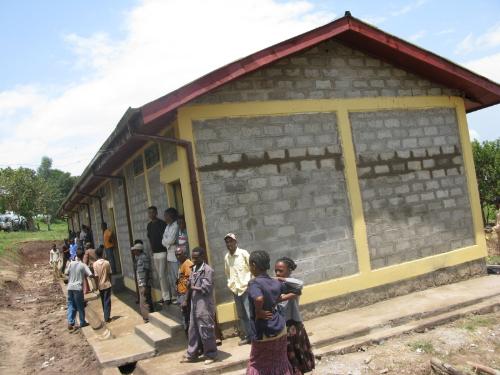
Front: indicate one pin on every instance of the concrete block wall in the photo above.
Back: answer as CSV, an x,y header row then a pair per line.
x,y
121,229
278,182
157,190
415,196
329,70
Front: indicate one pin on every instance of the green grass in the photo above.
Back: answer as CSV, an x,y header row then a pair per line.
x,y
476,321
494,259
422,345
10,241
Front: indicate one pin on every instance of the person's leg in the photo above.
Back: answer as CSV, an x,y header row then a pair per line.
x,y
143,303
172,271
110,257
160,261
206,327
80,305
71,311
107,304
193,338
243,311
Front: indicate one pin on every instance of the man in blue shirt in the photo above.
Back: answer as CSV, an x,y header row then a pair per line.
x,y
72,249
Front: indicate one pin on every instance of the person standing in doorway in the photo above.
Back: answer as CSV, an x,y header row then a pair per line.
x,y
201,332
155,230
102,273
76,272
185,267
238,275
182,236
109,245
169,241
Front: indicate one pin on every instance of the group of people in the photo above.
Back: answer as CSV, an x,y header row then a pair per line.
x,y
267,306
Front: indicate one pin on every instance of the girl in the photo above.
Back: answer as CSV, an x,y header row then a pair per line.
x,y
298,347
268,353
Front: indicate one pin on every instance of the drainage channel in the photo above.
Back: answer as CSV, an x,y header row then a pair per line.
x,y
127,368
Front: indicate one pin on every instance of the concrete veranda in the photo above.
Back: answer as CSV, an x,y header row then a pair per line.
x,y
335,333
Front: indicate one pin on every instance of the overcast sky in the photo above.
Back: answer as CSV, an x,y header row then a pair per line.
x,y
70,69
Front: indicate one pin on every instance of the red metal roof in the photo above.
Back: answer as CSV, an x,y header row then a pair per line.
x,y
480,92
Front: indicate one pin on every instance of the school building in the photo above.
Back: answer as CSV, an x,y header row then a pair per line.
x,y
345,148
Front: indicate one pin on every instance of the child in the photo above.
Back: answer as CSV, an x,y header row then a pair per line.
x,y
102,272
54,258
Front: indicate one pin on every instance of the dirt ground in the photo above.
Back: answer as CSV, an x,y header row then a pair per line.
x,y
33,331
475,339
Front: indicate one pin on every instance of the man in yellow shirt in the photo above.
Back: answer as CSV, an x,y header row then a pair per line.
x,y
236,267
109,245
185,269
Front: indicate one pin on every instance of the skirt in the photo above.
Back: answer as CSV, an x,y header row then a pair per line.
x,y
299,350
269,357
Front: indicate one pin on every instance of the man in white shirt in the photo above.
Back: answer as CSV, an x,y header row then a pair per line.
x,y
236,267
169,241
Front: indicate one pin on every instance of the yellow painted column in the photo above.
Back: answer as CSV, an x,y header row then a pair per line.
x,y
470,173
355,200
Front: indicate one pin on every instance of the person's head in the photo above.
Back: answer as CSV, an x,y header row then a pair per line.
x,y
79,253
198,255
138,241
180,254
99,252
170,215
259,262
231,242
88,245
284,267
84,228
137,249
65,247
104,226
182,222
54,246
152,213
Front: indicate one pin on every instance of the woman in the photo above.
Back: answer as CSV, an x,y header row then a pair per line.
x,y
299,349
268,354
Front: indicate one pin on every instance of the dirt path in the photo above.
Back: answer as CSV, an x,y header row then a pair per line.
x,y
34,337
475,339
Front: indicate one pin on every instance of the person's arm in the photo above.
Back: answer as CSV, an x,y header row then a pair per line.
x,y
88,273
260,313
206,283
226,267
66,272
170,235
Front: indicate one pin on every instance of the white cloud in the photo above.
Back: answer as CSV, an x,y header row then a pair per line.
x,y
486,66
474,135
167,44
408,8
418,35
471,43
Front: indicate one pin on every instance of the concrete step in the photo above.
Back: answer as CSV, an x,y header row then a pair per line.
x,y
153,335
167,324
122,350
353,344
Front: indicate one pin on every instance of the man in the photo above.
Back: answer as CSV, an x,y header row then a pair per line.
x,y
65,258
109,245
185,266
102,273
143,272
201,332
54,258
169,241
89,257
72,249
83,236
236,266
155,230
76,272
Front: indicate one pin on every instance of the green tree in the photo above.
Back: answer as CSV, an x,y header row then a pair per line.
x,y
487,162
21,191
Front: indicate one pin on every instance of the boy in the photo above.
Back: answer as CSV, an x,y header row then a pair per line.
x,y
102,273
54,258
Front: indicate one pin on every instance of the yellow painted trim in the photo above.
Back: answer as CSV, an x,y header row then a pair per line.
x,y
470,174
366,278
354,192
381,276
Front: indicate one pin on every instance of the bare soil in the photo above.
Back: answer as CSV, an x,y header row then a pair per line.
x,y
33,328
475,339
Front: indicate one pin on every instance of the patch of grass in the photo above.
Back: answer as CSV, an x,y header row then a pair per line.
x,y
494,259
10,241
476,321
421,346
